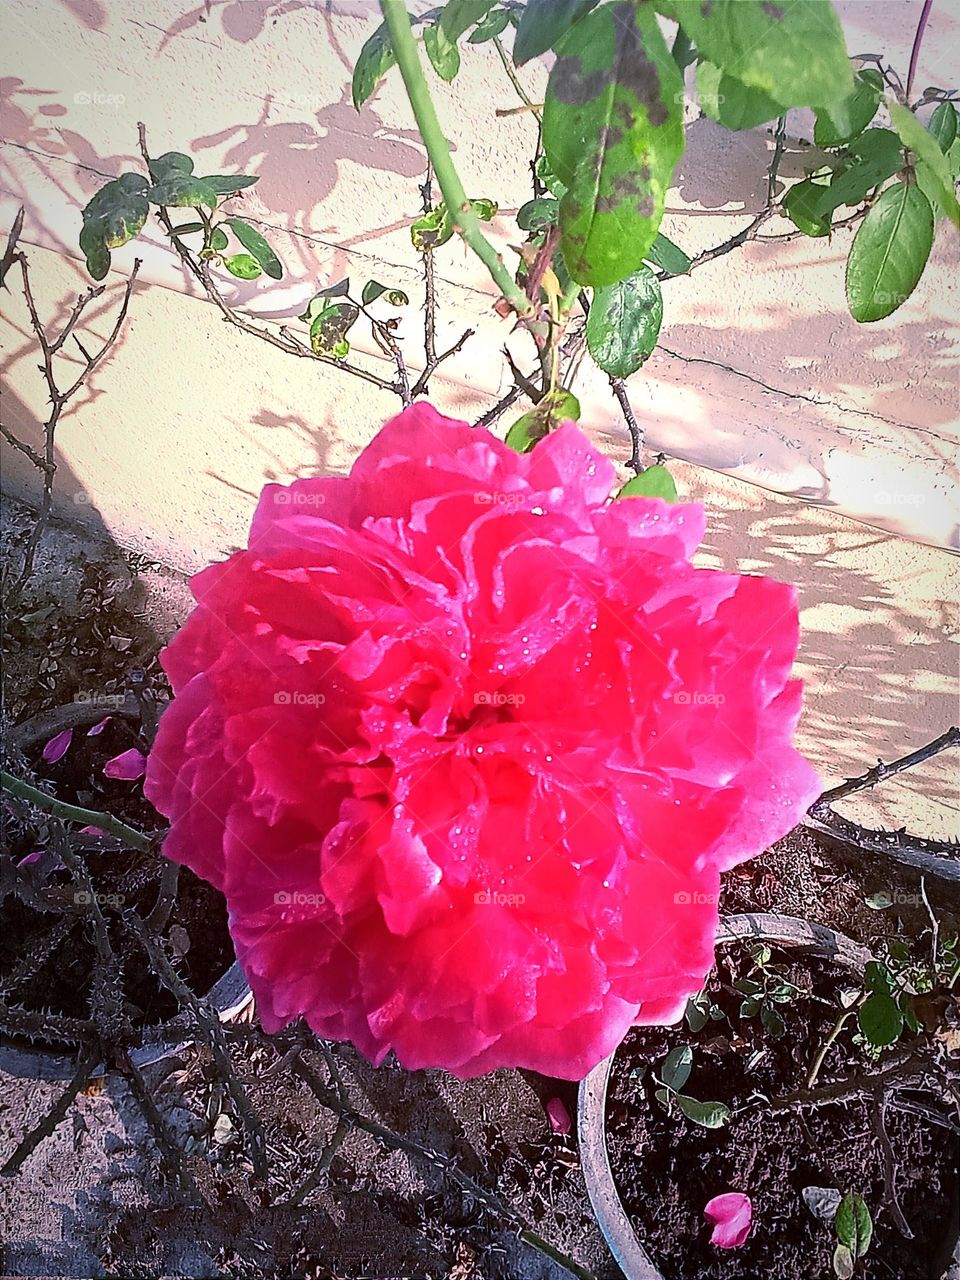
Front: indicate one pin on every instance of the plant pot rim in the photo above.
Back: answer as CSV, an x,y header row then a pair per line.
x,y
230,996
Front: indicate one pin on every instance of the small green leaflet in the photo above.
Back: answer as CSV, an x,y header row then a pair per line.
x,y
255,244
943,125
243,266
710,1115
871,159
538,214
663,253
555,407
858,110
854,1225
436,227
442,51
676,1067
375,60
373,289
494,24
881,1020
889,252
654,482
460,14
624,323
801,204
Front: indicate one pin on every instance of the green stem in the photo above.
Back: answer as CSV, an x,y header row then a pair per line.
x,y
461,211
72,813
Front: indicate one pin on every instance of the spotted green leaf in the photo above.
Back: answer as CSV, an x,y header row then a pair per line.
x,y
624,322
442,51
243,265
494,24
375,60
329,327
612,133
792,50
179,190
554,408
115,215
373,289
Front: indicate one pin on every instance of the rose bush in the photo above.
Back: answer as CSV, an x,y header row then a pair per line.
x,y
466,745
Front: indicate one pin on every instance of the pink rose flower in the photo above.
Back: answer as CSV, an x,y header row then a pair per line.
x,y
732,1215
466,746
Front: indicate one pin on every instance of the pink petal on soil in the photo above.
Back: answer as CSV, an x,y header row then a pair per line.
x,y
99,728
129,765
56,748
92,831
31,857
732,1215
559,1116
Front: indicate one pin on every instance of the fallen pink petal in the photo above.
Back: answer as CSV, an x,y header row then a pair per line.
x,y
128,766
57,747
31,858
92,831
99,728
732,1216
559,1117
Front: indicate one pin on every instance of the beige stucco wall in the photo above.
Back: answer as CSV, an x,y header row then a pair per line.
x,y
761,372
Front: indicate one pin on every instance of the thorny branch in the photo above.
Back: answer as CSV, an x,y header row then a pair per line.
x,y
59,397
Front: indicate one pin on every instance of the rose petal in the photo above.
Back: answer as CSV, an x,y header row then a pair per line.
x,y
99,728
128,765
56,748
559,1116
732,1215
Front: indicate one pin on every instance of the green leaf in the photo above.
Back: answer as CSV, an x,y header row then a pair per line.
x,y
772,1021
881,1020
494,24
218,240
749,1008
910,1018
442,51
801,204
549,178
182,190
375,60
730,102
225,186
243,266
854,1225
889,252
676,1067
794,52
697,1012
877,977
543,23
329,328
254,243
169,163
923,144
871,159
112,217
711,1115
624,323
612,133
431,230
555,407
858,110
842,1262
484,208
942,125
538,214
460,14
188,228
373,290
664,254
664,1097
654,482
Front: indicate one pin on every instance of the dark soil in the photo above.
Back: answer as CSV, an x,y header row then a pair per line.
x,y
97,647
667,1168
